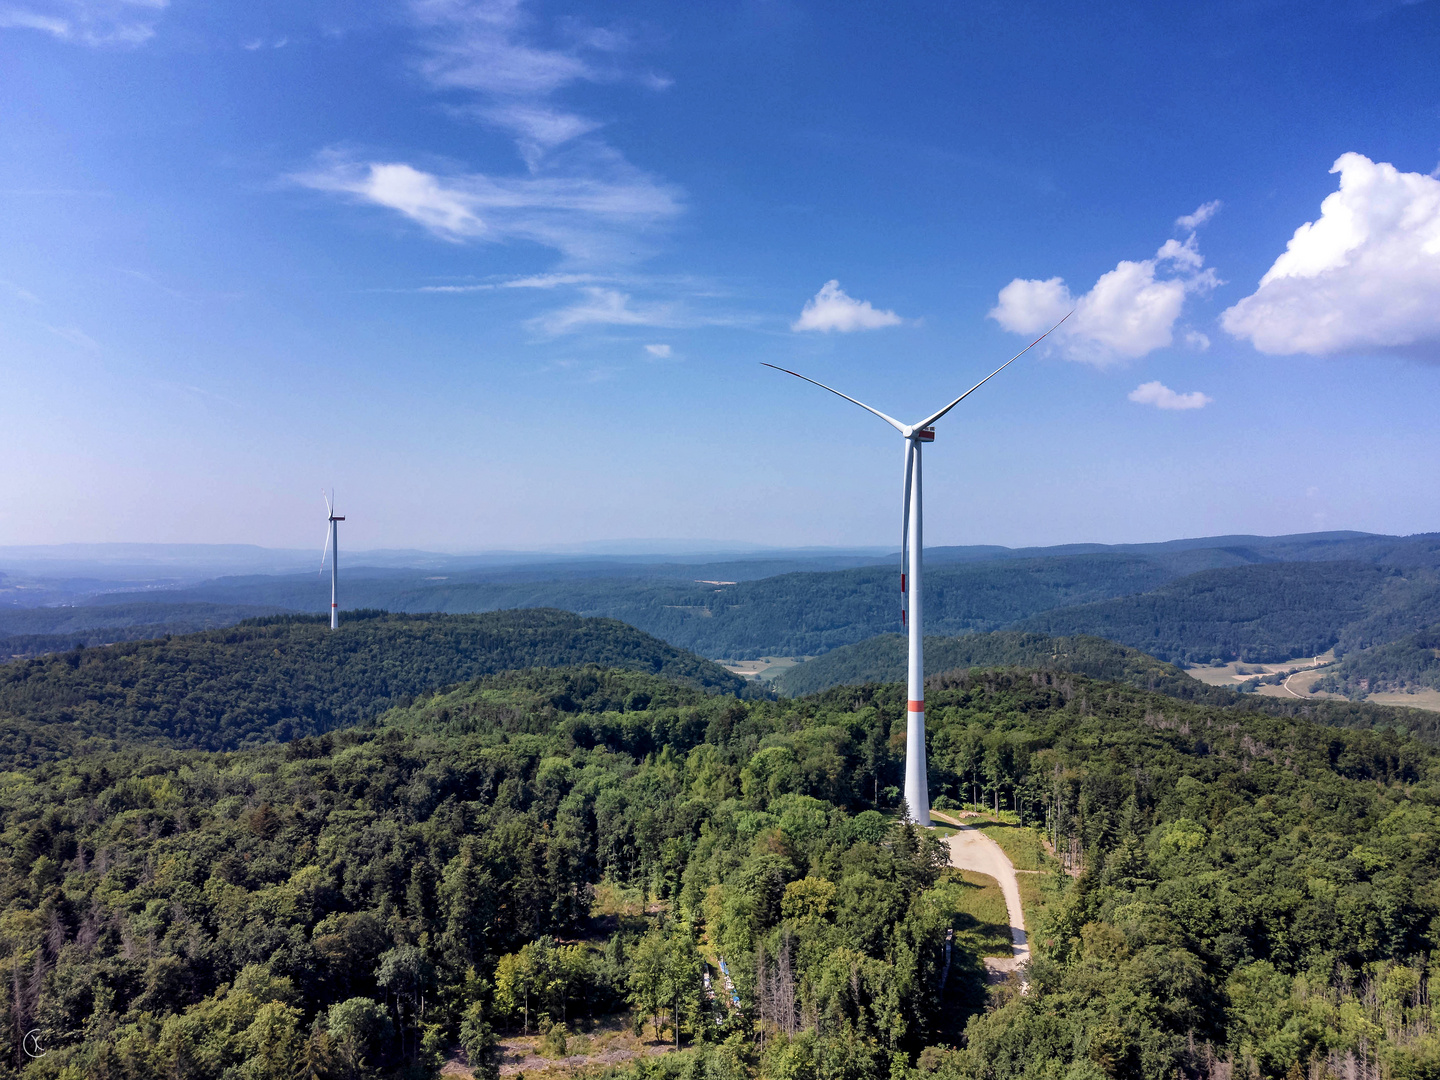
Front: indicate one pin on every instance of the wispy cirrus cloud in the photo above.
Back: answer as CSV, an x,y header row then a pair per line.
x,y
75,336
577,195
600,216
601,305
87,22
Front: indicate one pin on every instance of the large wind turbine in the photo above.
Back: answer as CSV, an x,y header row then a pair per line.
x,y
332,548
917,791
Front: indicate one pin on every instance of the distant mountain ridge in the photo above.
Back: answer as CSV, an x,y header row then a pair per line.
x,y
1248,597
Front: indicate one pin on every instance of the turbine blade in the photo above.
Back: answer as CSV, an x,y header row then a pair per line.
x,y
326,549
896,424
329,503
931,419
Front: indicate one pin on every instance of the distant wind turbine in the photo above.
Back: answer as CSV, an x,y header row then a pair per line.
x,y
917,790
332,548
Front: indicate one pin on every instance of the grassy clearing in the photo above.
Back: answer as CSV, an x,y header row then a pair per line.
x,y
591,1046
1038,874
1022,845
984,926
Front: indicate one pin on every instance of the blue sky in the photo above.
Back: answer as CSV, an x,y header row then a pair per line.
x,y
503,274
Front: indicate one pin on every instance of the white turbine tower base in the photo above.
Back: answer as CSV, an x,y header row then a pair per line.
x,y
917,787
332,548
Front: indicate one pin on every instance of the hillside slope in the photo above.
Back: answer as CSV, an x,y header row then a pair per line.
x,y
787,614
282,677
1258,613
1253,597
882,660
1411,662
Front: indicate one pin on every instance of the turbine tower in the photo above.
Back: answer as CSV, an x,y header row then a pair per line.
x,y
917,790
332,548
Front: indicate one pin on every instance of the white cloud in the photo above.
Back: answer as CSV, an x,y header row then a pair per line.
x,y
530,281
1203,213
1363,277
659,352
87,22
1129,312
1197,341
578,194
1162,397
586,218
604,307
831,309
478,46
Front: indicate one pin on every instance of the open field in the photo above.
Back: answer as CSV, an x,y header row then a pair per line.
x,y
1238,671
1301,683
1420,699
764,669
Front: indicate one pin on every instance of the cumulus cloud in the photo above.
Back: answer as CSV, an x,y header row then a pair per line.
x,y
831,309
1162,397
1363,277
87,22
1130,311
659,352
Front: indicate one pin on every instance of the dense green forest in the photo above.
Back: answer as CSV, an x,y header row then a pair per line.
x,y
281,677
1410,663
1255,893
38,630
795,614
1258,613
882,659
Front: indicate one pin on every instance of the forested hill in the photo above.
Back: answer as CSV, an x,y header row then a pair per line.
x,y
1258,895
1248,597
1261,613
1408,663
882,659
796,614
33,631
277,678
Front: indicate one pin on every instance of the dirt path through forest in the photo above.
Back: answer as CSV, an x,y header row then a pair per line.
x,y
971,849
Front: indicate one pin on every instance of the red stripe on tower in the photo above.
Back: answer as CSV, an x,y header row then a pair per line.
x,y
917,706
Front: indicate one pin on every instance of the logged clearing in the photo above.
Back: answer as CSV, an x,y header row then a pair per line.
x,y
764,669
592,1048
